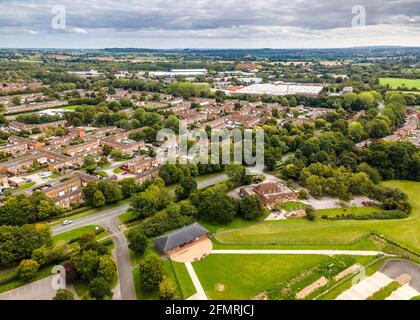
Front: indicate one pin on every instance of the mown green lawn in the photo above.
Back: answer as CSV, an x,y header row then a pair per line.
x,y
346,211
73,234
400,82
245,276
324,232
183,278
385,292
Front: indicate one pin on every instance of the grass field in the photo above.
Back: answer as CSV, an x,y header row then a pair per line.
x,y
183,278
73,234
385,292
27,185
353,211
245,276
324,232
400,82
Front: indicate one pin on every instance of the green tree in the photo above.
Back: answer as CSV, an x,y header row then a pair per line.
x,y
251,208
187,185
27,269
98,199
216,208
63,294
128,187
151,272
100,289
137,240
87,264
107,268
167,289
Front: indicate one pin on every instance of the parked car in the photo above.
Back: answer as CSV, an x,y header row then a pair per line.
x,y
28,180
67,222
124,173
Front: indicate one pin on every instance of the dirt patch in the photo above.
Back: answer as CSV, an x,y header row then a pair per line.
x,y
403,279
260,296
220,287
311,288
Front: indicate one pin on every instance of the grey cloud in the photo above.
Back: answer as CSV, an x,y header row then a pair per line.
x,y
104,20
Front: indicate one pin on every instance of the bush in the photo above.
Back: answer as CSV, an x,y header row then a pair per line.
x,y
310,213
166,289
100,289
382,215
27,269
63,294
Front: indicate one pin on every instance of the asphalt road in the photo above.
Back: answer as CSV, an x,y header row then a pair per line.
x,y
108,218
102,218
125,276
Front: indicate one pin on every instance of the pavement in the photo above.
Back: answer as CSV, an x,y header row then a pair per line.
x,y
193,252
200,293
332,203
37,290
394,268
122,255
365,288
303,252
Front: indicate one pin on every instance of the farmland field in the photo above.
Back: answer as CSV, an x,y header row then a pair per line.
x,y
400,82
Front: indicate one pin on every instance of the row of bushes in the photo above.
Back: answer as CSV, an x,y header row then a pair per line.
x,y
382,215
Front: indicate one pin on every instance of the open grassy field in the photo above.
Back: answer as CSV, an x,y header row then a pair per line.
x,y
324,232
400,82
73,234
183,278
246,276
353,211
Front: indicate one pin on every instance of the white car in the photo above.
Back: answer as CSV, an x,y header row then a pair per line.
x,y
67,222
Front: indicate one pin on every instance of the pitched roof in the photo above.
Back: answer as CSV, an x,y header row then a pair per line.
x,y
180,236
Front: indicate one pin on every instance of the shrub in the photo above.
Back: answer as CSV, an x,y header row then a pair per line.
x,y
166,289
27,269
63,294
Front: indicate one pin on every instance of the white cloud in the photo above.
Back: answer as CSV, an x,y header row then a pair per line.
x,y
79,30
210,23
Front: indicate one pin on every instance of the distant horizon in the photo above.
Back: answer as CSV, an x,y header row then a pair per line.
x,y
211,48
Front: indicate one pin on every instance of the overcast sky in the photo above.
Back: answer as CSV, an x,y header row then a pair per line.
x,y
209,23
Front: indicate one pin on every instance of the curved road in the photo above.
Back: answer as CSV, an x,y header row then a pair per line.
x,y
105,217
108,218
